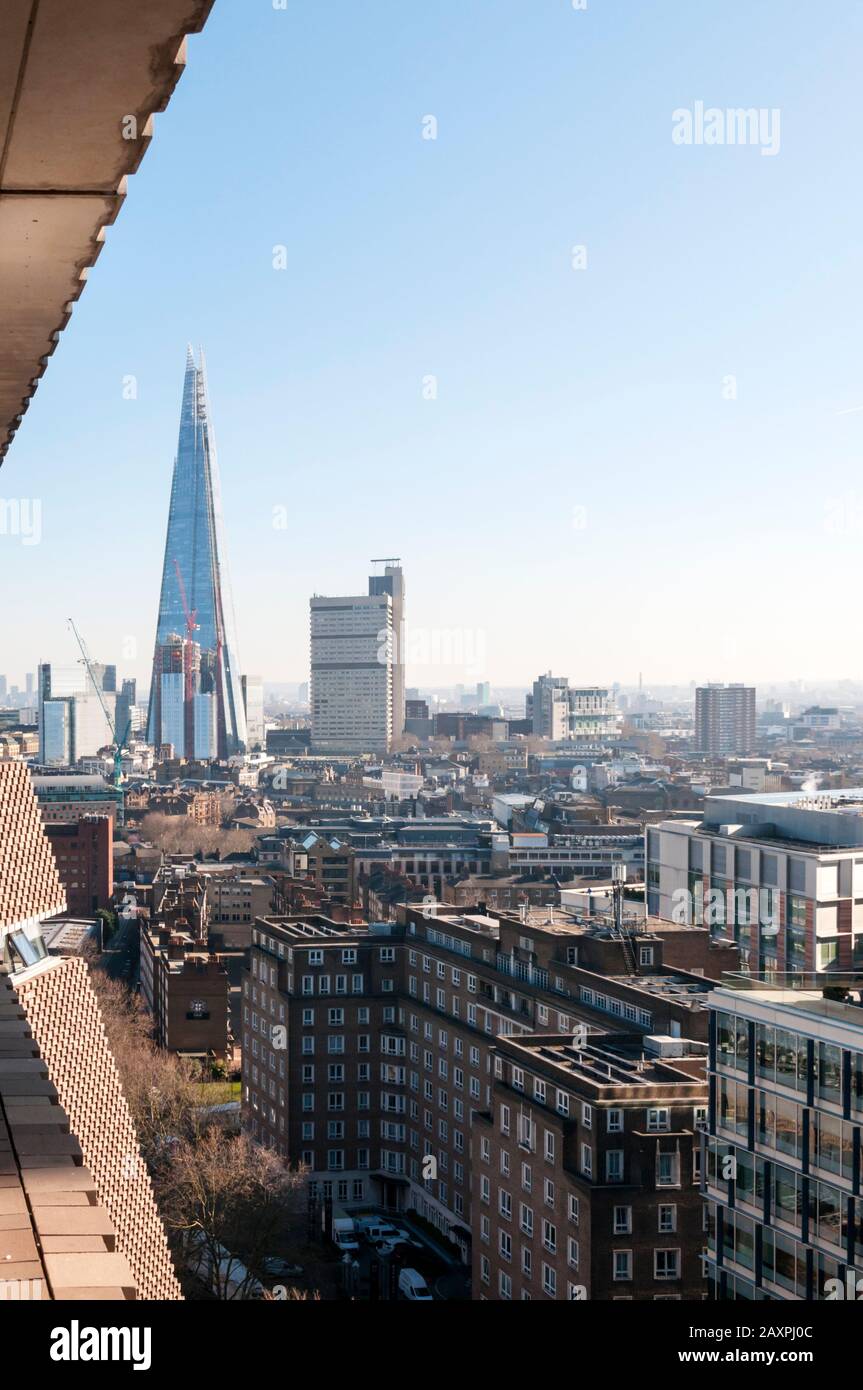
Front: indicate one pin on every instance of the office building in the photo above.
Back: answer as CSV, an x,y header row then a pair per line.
x,y
126,720
560,712
204,711
253,704
352,674
548,706
392,582
195,635
72,719
780,872
782,1163
725,719
69,796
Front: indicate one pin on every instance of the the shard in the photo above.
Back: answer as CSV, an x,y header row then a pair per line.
x,y
196,704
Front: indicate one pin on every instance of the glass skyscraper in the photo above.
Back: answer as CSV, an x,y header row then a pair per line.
x,y
196,629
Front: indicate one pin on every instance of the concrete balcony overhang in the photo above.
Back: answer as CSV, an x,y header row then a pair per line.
x,y
80,81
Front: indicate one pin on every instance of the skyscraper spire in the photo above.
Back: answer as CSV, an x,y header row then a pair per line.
x,y
195,697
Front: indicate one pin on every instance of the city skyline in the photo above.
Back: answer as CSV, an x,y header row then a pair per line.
x,y
545,390
480,917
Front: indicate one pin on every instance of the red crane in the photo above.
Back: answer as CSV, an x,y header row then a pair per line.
x,y
191,627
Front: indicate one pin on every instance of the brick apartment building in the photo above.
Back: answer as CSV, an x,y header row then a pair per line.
x,y
367,1050
186,990
201,807
83,851
586,1170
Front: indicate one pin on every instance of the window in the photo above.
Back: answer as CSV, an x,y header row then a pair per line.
x,y
667,1218
549,1237
586,1160
645,955
549,1280
622,1221
586,1116
526,1219
614,1121
659,1117
614,1165
668,1169
666,1264
622,1264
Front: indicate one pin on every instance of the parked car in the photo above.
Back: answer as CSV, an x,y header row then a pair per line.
x,y
414,1287
221,1271
278,1268
404,1236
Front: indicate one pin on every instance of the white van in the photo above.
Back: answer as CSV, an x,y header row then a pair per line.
x,y
376,1228
414,1287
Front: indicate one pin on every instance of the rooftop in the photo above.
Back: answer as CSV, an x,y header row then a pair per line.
x,y
616,1061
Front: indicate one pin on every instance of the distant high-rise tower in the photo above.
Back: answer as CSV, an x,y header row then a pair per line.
x,y
196,608
352,673
392,582
725,719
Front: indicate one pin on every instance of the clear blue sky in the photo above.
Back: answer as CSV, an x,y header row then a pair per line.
x,y
720,539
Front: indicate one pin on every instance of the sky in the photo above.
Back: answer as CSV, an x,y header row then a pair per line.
x,y
642,455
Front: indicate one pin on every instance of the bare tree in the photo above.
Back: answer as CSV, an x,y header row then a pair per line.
x,y
227,1199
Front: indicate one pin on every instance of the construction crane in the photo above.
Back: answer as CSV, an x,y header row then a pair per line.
x,y
118,743
188,684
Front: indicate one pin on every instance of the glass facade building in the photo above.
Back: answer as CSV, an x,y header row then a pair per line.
x,y
196,605
782,1170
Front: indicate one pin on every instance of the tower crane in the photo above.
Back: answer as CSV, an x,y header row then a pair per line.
x,y
118,741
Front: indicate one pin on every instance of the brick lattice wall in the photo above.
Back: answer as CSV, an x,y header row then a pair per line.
x,y
64,1017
